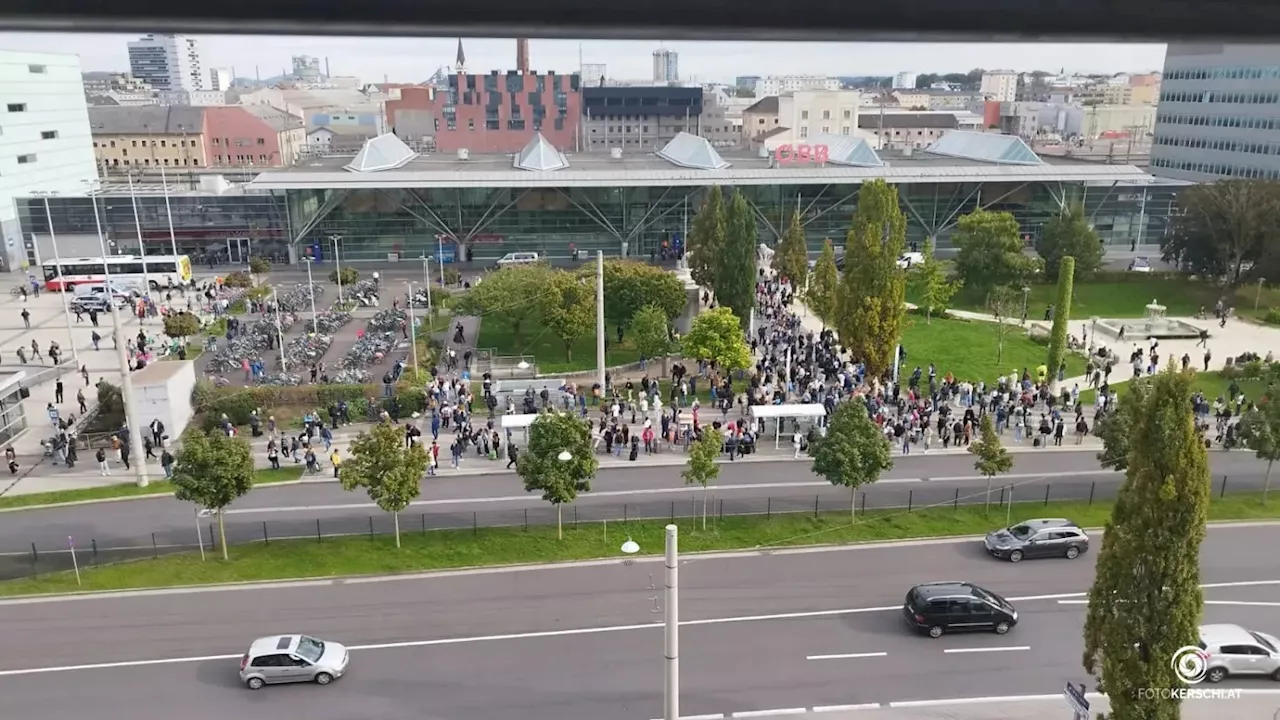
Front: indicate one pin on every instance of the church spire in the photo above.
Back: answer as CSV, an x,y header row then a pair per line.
x,y
461,62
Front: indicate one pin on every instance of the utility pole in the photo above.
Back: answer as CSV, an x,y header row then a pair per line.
x,y
600,321
671,629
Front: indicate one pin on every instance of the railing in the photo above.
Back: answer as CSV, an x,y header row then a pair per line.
x,y
39,559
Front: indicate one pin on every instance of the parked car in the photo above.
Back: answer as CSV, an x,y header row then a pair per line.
x,y
517,258
941,607
1048,537
1234,650
1140,265
292,658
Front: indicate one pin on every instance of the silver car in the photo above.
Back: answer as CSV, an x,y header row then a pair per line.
x,y
1234,650
292,658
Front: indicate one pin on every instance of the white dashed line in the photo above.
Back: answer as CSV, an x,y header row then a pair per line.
x,y
847,656
1011,648
770,713
846,708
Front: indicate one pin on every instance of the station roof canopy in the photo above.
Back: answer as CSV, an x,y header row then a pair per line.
x,y
985,147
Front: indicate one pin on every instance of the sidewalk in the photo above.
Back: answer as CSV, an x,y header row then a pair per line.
x,y
1251,705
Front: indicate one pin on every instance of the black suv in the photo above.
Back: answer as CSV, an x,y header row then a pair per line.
x,y
1053,537
935,608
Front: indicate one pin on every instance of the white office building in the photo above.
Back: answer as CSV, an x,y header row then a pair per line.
x,y
45,140
219,79
593,74
666,67
781,84
905,80
1000,85
168,62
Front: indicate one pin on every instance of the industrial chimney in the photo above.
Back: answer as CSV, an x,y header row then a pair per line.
x,y
522,55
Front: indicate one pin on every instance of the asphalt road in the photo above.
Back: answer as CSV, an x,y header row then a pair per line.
x,y
582,643
653,492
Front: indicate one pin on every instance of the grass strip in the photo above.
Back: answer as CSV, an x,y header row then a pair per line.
x,y
445,549
106,492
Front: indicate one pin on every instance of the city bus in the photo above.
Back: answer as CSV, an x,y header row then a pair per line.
x,y
126,271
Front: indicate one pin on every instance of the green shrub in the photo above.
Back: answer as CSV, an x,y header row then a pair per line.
x,y
349,276
260,292
452,276
238,403
1124,276
1272,317
181,325
259,265
238,279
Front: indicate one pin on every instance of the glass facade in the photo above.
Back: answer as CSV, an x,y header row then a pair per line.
x,y
486,223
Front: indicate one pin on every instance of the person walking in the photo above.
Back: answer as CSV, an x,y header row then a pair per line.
x,y
101,456
58,392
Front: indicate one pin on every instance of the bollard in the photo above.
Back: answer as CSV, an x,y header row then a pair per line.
x,y
768,509
624,512
956,504
1224,487
1092,486
911,498
155,549
93,543
575,517
213,543
475,525
371,526
1046,493
673,511
864,504
265,539
815,507
526,519
1002,495
423,519
721,508
35,556
318,536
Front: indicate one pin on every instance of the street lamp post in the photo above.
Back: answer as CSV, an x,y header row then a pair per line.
x,y
311,288
53,240
426,282
600,373
275,296
142,247
168,213
1026,293
117,330
413,330
337,264
671,619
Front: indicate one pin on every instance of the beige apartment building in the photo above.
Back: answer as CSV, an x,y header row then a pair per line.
x,y
758,119
819,112
166,136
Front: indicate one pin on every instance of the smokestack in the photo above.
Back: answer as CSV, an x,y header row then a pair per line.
x,y
522,55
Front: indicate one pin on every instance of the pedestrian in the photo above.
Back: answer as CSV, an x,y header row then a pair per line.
x,y
57,391
26,318
101,456
84,373
80,399
96,338
166,464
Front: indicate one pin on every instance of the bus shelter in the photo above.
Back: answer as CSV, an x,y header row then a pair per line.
x,y
512,424
802,416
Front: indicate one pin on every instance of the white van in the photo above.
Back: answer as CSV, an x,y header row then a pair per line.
x,y
517,258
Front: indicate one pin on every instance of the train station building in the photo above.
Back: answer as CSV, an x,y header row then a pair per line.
x,y
389,203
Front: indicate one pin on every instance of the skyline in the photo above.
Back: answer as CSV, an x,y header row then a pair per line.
x,y
416,59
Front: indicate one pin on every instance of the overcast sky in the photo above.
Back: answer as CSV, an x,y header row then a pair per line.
x,y
415,59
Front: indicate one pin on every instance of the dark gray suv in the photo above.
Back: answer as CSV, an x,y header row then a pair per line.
x,y
1051,537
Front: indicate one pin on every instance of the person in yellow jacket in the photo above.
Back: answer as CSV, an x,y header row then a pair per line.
x,y
335,458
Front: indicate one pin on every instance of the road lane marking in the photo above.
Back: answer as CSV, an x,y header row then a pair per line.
x,y
1205,586
982,700
1245,603
111,665
769,713
708,716
846,656
1010,648
846,708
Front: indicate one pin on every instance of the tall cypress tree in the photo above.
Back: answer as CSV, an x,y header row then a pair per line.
x,y
706,239
735,273
791,258
869,307
1146,602
1061,316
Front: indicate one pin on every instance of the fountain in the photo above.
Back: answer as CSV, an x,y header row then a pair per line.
x,y
1155,324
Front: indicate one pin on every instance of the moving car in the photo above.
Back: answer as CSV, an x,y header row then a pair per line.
x,y
908,260
517,258
941,607
1234,650
1140,265
1048,537
292,658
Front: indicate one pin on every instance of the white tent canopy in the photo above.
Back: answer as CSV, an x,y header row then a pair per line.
x,y
813,412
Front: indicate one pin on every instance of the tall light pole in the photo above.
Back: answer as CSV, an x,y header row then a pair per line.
x,y
142,247
426,282
168,211
311,288
275,296
53,240
117,330
600,321
671,629
413,331
337,264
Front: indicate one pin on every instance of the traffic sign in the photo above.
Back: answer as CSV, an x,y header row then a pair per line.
x,y
1076,699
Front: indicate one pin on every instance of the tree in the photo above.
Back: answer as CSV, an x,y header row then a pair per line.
x,y
1260,429
706,239
1003,304
511,297
869,303
993,458
716,336
181,325
1146,600
1222,227
259,265
238,279
824,284
1114,427
791,258
543,470
569,307
1069,234
990,252
932,286
853,453
735,283
702,468
349,276
212,470
390,472
1061,316
630,285
650,333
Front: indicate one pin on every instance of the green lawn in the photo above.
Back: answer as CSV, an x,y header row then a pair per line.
x,y
1212,384
1129,298
967,349
261,477
501,546
549,352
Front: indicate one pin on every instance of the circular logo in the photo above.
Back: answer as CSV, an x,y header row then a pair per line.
x,y
1190,664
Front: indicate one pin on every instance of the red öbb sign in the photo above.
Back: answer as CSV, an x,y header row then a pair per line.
x,y
793,154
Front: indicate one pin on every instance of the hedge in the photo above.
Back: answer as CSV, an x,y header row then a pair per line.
x,y
238,403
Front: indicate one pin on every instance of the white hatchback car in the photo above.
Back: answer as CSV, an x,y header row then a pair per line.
x,y
292,658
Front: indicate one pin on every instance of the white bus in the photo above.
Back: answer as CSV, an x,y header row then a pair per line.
x,y
126,271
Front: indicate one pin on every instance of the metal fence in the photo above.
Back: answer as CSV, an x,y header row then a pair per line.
x,y
43,558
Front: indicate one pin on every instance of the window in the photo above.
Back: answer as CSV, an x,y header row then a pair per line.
x,y
848,114
135,143
37,69
826,129
53,135
26,159
113,143
471,125
844,129
826,114
216,141
262,141
804,114
804,131
17,107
